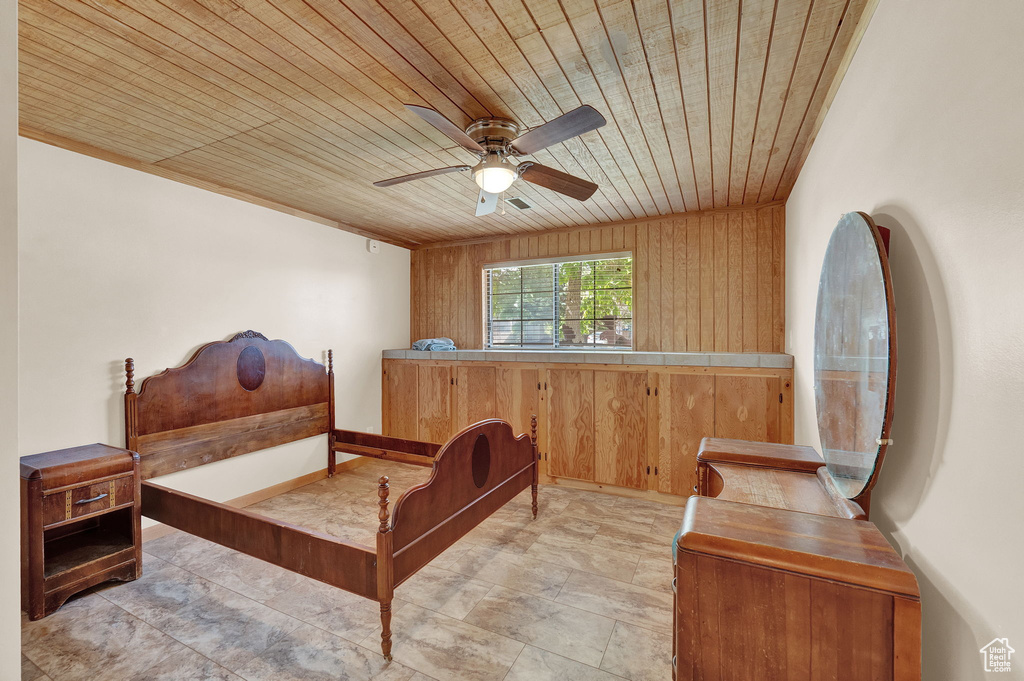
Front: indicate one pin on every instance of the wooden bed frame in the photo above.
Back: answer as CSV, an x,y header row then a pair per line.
x,y
249,393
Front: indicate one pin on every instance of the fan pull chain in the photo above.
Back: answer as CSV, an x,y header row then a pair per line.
x,y
503,203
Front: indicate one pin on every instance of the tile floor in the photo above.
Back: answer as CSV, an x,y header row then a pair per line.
x,y
581,593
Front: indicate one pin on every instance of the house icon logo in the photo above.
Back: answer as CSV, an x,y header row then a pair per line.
x,y
997,655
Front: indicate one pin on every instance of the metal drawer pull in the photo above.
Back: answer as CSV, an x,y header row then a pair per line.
x,y
89,501
674,584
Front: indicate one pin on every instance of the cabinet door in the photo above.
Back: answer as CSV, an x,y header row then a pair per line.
x,y
571,423
686,413
747,407
620,428
517,397
400,415
434,390
474,389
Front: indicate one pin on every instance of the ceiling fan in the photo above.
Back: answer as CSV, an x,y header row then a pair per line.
x,y
497,143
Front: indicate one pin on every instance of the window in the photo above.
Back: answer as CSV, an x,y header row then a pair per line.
x,y
563,304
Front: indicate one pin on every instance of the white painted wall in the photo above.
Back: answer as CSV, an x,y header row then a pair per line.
x,y
117,263
926,136
10,530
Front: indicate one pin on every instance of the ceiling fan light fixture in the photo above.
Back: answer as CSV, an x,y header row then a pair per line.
x,y
494,175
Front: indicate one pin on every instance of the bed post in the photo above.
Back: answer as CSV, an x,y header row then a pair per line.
x,y
536,462
131,426
331,457
385,569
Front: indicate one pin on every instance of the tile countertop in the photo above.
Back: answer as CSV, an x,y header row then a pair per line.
x,y
773,360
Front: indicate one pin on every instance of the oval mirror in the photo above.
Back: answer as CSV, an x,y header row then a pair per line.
x,y
854,354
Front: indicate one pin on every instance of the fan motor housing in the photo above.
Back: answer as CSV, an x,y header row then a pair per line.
x,y
494,134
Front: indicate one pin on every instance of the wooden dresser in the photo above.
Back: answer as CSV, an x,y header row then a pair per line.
x,y
779,574
777,595
80,523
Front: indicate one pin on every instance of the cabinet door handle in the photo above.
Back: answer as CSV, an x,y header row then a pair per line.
x,y
89,501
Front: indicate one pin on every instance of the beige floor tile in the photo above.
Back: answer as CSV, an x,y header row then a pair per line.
x,y
629,540
596,512
342,613
186,664
599,561
654,573
246,575
90,638
494,534
29,671
666,525
449,593
618,600
311,654
639,654
649,506
447,648
451,554
534,664
567,528
513,570
227,628
162,589
183,549
561,629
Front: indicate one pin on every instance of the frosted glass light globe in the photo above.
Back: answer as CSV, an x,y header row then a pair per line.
x,y
494,175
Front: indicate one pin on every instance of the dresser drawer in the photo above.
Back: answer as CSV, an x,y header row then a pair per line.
x,y
87,499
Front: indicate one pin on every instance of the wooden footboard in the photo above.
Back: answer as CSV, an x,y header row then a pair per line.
x,y
475,473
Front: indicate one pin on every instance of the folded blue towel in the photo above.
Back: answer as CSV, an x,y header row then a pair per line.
x,y
435,344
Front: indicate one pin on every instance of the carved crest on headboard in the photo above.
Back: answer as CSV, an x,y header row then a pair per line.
x,y
248,334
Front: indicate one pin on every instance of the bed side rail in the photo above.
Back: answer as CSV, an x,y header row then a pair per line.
x,y
324,558
383,447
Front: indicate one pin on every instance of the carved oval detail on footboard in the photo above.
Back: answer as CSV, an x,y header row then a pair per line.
x,y
481,460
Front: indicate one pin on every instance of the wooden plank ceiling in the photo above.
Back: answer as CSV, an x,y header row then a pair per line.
x,y
299,102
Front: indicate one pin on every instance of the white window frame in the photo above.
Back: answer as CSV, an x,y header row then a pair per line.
x,y
555,347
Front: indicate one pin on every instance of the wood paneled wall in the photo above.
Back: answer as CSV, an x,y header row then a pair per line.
x,y
703,282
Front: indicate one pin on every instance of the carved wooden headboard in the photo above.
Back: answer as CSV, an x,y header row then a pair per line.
x,y
232,397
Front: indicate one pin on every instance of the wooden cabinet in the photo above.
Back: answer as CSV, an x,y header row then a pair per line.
x,y
400,412
686,413
620,428
570,423
475,394
620,425
517,396
747,407
434,390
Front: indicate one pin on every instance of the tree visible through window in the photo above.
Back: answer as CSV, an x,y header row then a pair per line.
x,y
581,304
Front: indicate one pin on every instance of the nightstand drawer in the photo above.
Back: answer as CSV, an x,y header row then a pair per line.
x,y
84,500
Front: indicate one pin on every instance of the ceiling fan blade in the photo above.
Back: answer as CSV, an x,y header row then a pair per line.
x,y
420,176
557,181
486,204
453,131
576,122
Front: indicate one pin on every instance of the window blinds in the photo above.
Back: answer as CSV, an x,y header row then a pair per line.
x,y
569,304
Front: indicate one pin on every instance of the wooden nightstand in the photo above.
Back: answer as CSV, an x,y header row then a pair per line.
x,y
80,523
